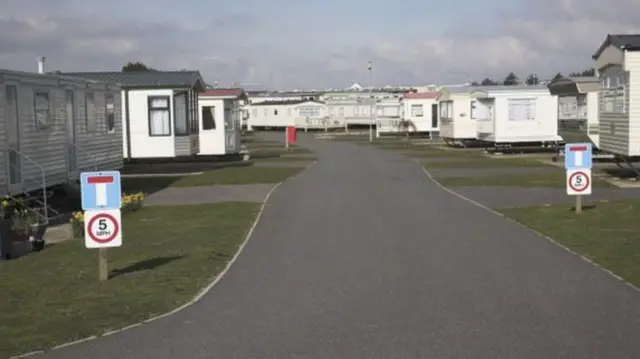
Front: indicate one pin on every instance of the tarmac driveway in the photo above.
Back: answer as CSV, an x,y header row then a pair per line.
x,y
362,257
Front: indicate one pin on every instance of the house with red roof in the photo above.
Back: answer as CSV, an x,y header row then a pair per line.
x,y
221,113
421,110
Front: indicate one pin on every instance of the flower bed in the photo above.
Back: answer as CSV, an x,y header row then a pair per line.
x,y
19,224
130,203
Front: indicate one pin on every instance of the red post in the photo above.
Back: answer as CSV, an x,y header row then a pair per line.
x,y
291,135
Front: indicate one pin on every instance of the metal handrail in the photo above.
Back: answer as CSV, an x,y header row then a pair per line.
x,y
43,176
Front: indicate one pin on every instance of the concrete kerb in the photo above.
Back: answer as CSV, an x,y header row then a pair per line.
x,y
478,204
198,296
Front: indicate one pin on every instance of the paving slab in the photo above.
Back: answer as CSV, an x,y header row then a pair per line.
x,y
501,197
361,256
208,194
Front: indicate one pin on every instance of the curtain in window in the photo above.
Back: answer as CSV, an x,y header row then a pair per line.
x,y
180,114
159,122
522,109
208,118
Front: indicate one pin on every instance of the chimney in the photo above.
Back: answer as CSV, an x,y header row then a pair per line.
x,y
41,65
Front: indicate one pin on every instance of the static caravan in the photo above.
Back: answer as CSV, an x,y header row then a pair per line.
x,y
354,108
269,96
516,115
421,111
160,112
577,108
457,115
280,114
55,127
387,117
618,68
220,121
312,115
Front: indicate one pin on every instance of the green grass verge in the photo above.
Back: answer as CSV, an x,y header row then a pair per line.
x,y
169,254
606,234
485,162
221,176
544,179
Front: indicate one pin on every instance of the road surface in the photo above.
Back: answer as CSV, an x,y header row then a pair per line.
x,y
361,256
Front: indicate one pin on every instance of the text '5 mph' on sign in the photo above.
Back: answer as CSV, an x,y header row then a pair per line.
x,y
100,190
577,156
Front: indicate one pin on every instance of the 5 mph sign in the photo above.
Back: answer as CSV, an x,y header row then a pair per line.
x,y
579,182
103,228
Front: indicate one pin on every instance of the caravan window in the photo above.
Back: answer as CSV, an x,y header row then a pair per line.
x,y
472,111
110,114
90,109
208,118
522,109
417,111
42,110
159,116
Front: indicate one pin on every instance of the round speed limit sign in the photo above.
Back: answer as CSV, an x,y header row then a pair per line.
x,y
579,182
103,229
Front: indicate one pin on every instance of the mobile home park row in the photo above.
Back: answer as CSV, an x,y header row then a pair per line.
x,y
57,125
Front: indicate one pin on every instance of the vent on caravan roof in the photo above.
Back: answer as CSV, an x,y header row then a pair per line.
x,y
41,65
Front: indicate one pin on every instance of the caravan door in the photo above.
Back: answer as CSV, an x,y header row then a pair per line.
x,y
70,122
12,118
230,136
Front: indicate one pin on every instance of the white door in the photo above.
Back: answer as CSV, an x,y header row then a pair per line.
x,y
71,132
14,164
229,129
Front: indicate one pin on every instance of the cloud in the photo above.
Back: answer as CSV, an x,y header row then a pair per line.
x,y
268,48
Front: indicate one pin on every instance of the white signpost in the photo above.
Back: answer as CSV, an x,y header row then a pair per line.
x,y
101,194
578,163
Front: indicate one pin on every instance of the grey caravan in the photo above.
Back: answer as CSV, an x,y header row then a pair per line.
x,y
54,127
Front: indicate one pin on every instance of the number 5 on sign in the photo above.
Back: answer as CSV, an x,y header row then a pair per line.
x,y
103,228
578,182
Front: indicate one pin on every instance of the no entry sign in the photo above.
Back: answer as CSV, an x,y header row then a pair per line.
x,y
103,228
579,182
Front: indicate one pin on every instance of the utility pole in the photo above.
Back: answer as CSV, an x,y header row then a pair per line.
x,y
372,107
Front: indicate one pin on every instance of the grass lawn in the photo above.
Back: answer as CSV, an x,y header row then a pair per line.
x,y
606,234
222,176
485,162
545,179
169,254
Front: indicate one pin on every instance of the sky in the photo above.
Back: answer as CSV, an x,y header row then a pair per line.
x,y
289,44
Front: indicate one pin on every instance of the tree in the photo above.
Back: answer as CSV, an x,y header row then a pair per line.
x,y
136,66
488,82
532,80
585,73
511,79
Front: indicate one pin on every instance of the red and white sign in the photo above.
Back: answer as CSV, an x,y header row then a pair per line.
x,y
578,182
103,228
101,188
578,155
